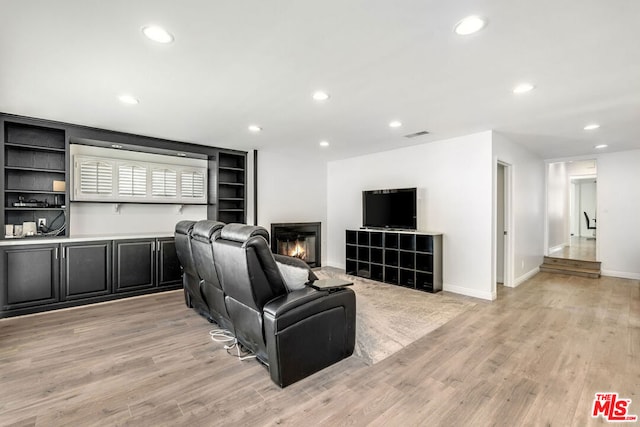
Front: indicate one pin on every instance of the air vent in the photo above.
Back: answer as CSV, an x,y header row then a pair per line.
x,y
414,135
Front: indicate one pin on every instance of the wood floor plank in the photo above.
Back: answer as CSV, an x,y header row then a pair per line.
x,y
536,356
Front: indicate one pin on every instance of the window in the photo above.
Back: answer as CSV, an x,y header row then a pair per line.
x,y
107,179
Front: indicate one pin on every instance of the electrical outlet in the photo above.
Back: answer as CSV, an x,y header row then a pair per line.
x,y
42,222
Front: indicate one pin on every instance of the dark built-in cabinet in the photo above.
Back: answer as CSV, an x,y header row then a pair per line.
x,y
35,184
413,260
133,264
231,187
169,268
86,269
30,276
144,264
40,277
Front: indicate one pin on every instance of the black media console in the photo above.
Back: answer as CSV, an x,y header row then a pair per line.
x,y
410,259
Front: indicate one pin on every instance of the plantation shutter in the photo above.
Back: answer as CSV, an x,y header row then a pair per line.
x,y
132,180
192,184
96,177
164,183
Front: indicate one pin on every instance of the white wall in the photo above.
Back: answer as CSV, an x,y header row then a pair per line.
x,y
619,213
455,190
557,205
527,206
101,218
292,187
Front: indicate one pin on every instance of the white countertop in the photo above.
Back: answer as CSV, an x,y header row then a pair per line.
x,y
80,238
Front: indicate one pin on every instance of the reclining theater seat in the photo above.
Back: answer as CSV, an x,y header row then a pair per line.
x,y
190,278
202,236
295,333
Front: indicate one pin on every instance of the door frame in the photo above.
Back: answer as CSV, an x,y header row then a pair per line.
x,y
508,225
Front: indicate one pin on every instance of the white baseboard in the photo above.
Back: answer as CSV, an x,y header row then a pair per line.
x,y
488,295
339,265
558,247
621,274
526,276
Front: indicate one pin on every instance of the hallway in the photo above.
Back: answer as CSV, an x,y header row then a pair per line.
x,y
580,248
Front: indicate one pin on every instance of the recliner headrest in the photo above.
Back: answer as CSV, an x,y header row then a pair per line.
x,y
184,227
203,230
242,232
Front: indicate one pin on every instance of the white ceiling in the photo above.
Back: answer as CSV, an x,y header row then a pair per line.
x,y
235,63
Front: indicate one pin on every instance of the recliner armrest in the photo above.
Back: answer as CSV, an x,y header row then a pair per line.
x,y
288,302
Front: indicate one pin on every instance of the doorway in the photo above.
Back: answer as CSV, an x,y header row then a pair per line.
x,y
503,251
571,199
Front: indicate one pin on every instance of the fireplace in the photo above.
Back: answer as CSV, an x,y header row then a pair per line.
x,y
300,240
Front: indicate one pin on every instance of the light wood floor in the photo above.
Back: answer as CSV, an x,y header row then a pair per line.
x,y
579,248
536,356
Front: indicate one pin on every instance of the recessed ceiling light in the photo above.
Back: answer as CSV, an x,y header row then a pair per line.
x,y
395,124
469,25
116,146
128,99
523,88
320,96
592,126
599,146
324,143
181,154
157,34
255,128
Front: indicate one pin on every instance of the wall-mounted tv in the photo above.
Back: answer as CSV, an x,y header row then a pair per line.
x,y
389,209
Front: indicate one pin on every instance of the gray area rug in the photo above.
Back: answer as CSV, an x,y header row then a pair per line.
x,y
389,317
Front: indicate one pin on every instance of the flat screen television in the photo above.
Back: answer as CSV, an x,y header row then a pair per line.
x,y
389,208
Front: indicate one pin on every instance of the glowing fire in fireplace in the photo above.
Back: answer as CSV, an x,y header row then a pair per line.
x,y
298,251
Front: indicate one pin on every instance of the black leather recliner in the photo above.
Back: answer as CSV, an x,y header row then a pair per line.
x,y
203,234
295,333
191,280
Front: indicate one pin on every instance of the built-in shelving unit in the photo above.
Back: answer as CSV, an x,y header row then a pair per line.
x,y
409,259
231,187
34,158
39,273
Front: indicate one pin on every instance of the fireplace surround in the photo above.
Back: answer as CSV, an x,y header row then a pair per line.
x,y
298,239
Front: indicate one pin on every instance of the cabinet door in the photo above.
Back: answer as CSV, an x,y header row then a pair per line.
x,y
86,269
29,275
133,264
169,271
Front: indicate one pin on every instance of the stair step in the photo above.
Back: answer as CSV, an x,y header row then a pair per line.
x,y
573,271
572,263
